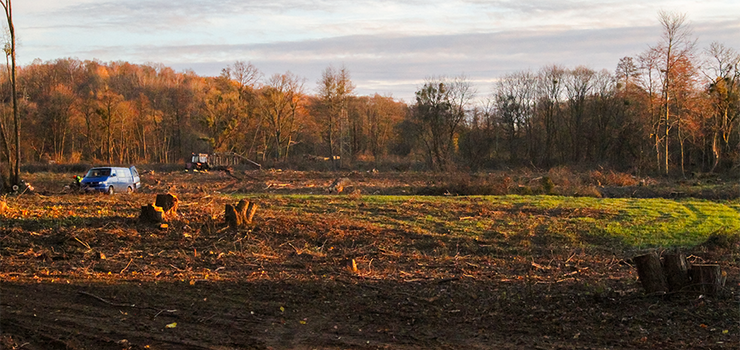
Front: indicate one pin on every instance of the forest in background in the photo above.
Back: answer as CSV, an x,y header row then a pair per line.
x,y
672,109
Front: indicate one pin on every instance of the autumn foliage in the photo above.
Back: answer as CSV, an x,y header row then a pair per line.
x,y
671,109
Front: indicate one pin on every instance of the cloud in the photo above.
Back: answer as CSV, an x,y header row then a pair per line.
x,y
400,64
388,45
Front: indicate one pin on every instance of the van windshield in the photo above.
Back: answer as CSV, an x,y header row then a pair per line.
x,y
99,172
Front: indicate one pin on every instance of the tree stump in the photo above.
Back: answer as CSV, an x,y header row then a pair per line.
x,y
651,273
163,209
707,278
168,202
339,184
676,271
152,214
241,214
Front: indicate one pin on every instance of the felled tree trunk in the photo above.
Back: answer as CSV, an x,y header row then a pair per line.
x,y
707,278
676,271
241,214
651,273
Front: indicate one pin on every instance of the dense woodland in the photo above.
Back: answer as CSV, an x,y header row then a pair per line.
x,y
672,109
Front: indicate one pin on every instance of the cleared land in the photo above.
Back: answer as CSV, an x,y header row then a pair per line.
x,y
81,272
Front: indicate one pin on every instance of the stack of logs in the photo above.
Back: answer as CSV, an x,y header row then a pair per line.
x,y
675,274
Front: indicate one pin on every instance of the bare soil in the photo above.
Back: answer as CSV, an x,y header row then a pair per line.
x,y
81,272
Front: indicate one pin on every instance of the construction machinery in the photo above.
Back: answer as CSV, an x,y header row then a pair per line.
x,y
218,161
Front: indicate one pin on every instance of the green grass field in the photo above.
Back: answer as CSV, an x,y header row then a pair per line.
x,y
533,220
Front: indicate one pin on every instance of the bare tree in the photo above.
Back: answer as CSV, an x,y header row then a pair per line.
x,y
335,87
244,74
10,52
721,69
550,91
440,108
578,86
514,104
676,48
626,73
279,104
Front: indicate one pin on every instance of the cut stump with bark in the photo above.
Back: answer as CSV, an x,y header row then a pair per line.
x,y
650,273
163,209
676,274
168,202
241,214
676,271
707,278
152,214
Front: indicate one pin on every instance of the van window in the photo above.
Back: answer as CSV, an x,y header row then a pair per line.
x,y
99,172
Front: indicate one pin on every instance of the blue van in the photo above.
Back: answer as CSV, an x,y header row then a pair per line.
x,y
111,180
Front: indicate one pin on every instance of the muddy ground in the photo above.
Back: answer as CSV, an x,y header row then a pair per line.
x,y
81,272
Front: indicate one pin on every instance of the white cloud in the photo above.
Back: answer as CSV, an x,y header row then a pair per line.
x,y
389,46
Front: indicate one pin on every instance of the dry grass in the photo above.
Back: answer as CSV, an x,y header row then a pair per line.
x,y
354,270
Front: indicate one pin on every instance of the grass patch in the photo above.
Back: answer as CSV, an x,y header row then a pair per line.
x,y
529,221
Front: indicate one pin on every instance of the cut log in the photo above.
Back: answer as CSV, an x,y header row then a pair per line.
x,y
241,214
676,271
707,278
651,273
152,214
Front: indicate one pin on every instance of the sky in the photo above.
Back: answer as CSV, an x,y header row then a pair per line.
x,y
389,46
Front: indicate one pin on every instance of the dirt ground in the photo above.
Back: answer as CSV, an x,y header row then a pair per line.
x,y
81,272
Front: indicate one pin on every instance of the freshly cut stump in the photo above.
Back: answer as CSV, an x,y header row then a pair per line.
x,y
168,202
707,278
163,209
152,214
241,214
676,271
651,273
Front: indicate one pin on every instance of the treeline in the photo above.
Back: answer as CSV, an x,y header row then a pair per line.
x,y
673,108
117,112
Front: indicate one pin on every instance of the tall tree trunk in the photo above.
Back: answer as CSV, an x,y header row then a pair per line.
x,y
15,176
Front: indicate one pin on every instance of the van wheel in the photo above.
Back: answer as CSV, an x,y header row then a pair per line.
x,y
129,190
110,190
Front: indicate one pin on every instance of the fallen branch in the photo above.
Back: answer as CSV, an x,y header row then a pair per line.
x,y
106,301
127,265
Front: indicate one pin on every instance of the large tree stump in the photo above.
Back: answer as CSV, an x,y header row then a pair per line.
x,y
651,273
241,214
163,209
168,202
676,271
152,214
707,278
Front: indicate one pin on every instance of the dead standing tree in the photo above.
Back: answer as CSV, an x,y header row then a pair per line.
x,y
15,164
